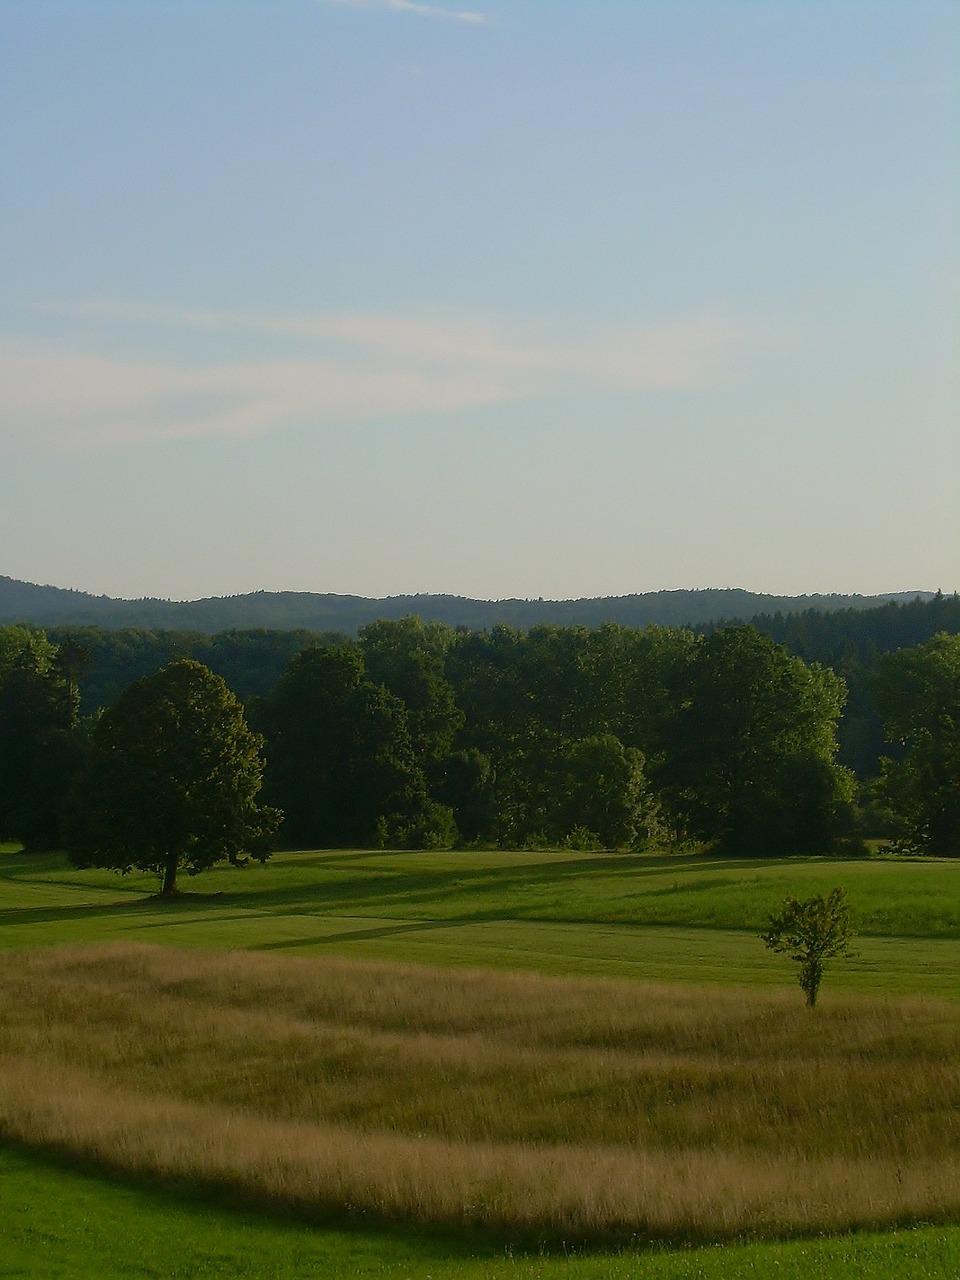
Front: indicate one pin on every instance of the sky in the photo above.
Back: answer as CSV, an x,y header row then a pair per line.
x,y
494,298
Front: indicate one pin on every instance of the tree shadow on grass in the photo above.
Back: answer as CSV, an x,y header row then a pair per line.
x,y
16,864
363,934
703,885
131,906
401,890
405,888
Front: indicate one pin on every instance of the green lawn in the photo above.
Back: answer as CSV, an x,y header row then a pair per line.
x,y
57,1223
665,918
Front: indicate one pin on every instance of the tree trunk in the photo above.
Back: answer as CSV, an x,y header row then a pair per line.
x,y
168,888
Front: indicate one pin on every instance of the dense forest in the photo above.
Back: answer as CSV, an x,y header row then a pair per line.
x,y
417,734
849,641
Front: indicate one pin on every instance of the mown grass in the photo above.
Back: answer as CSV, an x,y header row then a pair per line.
x,y
894,896
532,1110
61,1224
675,918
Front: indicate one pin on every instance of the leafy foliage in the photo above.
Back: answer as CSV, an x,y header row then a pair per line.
x,y
750,761
852,642
558,724
918,692
172,780
40,742
408,657
251,662
419,735
342,762
812,931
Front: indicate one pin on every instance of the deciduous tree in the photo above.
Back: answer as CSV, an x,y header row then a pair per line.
x,y
751,760
342,763
408,657
172,780
812,931
918,693
40,742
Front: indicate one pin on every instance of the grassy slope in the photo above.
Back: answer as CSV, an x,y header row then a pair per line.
x,y
562,913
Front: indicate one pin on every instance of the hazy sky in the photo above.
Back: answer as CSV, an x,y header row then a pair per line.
x,y
560,298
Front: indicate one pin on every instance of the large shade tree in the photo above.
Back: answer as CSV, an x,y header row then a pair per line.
x,y
172,780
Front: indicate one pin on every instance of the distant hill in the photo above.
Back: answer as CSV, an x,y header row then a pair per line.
x,y
303,610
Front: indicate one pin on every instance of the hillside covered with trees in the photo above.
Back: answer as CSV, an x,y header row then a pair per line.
x,y
25,602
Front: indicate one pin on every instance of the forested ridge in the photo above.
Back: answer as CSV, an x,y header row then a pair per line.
x,y
255,636
25,602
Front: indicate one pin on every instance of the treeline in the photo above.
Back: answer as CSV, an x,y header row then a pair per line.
x,y
415,734
107,661
849,641
852,643
420,735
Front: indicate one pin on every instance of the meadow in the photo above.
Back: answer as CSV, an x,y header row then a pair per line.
x,y
482,1051
665,918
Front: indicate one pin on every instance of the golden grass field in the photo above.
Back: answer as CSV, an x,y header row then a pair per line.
x,y
538,1108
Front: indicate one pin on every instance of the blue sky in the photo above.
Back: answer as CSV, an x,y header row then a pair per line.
x,y
537,299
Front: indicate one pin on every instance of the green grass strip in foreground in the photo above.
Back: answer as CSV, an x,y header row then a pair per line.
x,y
58,1224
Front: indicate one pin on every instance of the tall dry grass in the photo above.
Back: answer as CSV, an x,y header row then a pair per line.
x,y
533,1107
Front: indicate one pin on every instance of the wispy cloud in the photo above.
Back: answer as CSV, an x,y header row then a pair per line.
x,y
412,6
340,367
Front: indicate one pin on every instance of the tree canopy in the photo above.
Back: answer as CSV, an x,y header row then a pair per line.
x,y
812,931
611,735
751,759
918,693
40,743
343,764
172,780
